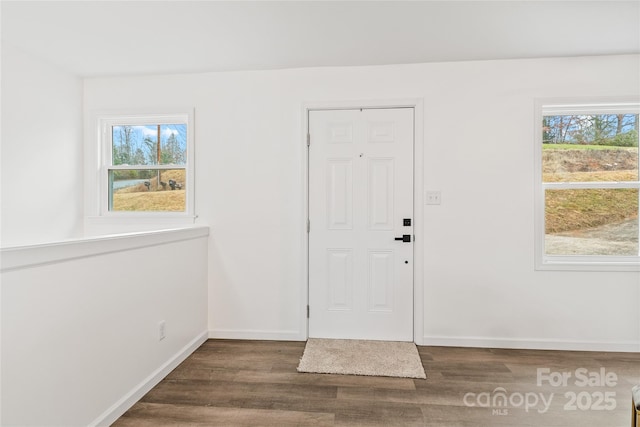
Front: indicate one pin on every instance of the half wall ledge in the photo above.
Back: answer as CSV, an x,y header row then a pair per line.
x,y
20,257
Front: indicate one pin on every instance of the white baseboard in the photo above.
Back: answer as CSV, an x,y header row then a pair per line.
x,y
235,334
485,342
128,400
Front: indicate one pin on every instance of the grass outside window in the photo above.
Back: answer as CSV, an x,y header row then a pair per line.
x,y
590,181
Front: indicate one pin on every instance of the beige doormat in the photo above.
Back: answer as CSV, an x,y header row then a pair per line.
x,y
359,357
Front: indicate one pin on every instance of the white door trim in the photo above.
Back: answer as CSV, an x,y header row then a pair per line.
x,y
418,202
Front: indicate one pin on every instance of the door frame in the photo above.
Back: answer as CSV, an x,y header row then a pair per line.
x,y
418,202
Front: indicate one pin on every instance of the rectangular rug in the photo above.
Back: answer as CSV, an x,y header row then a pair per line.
x,y
361,357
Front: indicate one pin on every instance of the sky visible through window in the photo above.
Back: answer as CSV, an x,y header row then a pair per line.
x,y
138,144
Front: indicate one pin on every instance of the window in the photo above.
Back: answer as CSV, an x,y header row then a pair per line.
x,y
588,186
146,165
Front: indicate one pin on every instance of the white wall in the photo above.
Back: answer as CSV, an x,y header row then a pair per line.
x,y
480,287
41,136
80,323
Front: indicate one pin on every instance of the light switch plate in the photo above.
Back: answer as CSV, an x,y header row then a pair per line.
x,y
433,197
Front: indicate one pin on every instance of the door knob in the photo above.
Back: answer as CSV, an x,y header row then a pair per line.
x,y
405,238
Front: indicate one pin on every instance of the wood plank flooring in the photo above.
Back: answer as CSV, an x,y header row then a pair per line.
x,y
255,383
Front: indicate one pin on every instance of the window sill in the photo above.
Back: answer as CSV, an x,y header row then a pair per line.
x,y
576,263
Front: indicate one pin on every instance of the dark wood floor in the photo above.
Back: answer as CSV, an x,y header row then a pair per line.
x,y
255,383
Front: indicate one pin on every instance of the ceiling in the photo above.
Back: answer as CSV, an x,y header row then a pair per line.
x,y
106,38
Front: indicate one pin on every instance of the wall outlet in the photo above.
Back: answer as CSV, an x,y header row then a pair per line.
x,y
162,330
433,197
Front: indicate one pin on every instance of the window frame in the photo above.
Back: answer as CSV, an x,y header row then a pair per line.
x,y
555,106
101,152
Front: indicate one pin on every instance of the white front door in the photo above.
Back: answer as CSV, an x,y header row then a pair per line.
x,y
360,205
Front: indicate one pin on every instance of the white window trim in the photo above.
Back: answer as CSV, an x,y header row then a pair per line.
x,y
98,160
563,106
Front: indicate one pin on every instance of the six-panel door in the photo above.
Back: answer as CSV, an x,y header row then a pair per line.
x,y
360,193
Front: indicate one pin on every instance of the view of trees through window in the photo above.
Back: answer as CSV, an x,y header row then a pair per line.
x,y
619,130
590,179
149,168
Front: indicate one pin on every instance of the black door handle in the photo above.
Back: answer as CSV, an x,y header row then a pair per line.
x,y
405,238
